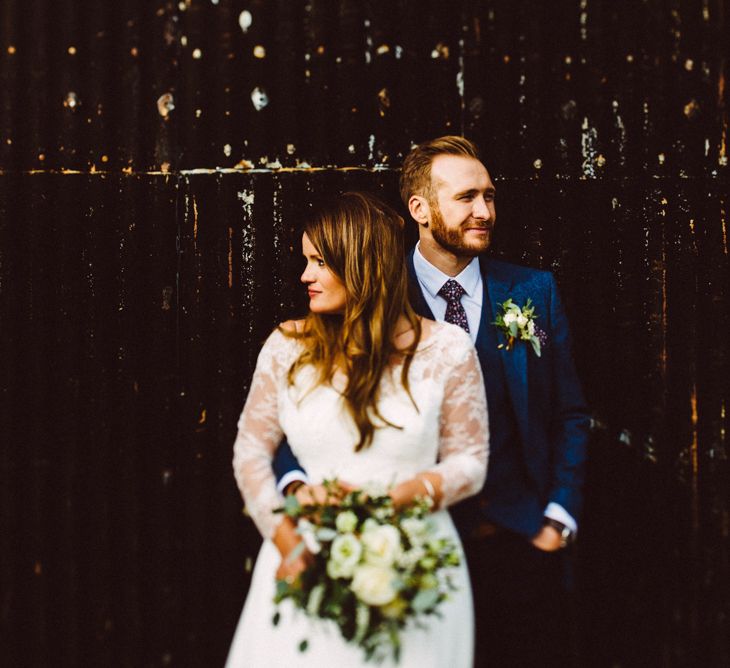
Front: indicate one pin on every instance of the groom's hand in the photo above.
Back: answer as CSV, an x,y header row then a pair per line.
x,y
548,540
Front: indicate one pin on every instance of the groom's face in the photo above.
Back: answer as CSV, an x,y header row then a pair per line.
x,y
462,212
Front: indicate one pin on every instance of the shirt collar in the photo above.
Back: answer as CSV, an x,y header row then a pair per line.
x,y
433,278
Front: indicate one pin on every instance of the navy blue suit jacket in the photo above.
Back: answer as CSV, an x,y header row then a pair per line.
x,y
544,392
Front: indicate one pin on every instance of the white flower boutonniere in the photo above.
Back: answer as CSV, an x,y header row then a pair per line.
x,y
518,324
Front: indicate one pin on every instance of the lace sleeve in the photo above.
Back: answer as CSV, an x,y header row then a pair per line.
x,y
259,434
464,435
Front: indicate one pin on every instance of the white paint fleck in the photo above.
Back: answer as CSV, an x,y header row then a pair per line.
x,y
460,84
707,147
629,57
227,150
259,51
259,98
197,54
371,147
245,20
722,161
398,52
382,49
537,164
615,203
291,149
661,158
184,40
689,64
182,6
588,140
215,2
198,113
246,197
351,148
275,164
165,104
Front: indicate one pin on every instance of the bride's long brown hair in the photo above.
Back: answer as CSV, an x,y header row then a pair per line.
x,y
361,242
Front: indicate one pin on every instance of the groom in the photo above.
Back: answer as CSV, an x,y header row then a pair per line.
x,y
515,530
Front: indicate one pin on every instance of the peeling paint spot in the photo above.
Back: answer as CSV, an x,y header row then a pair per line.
x,y
383,101
198,113
244,164
184,40
227,150
11,50
165,104
245,20
134,52
259,98
398,52
568,60
600,160
71,101
165,167
689,64
382,49
351,148
629,58
291,149
167,298
71,50
197,54
660,158
537,164
441,50
691,108
274,164
259,51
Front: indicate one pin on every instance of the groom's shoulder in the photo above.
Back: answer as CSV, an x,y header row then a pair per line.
x,y
517,273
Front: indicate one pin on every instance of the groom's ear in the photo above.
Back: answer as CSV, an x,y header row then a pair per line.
x,y
419,209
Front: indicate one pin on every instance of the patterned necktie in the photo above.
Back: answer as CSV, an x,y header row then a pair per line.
x,y
452,292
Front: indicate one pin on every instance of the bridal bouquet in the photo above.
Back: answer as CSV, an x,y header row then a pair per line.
x,y
375,568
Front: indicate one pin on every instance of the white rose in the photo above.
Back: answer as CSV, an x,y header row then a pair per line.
x,y
344,556
410,558
531,328
374,584
382,545
370,524
346,522
509,317
521,320
416,529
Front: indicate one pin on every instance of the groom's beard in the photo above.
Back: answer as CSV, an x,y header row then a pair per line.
x,y
453,240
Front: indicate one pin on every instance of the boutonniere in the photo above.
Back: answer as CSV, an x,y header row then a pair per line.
x,y
518,324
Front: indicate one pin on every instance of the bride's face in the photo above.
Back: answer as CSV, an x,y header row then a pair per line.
x,y
326,291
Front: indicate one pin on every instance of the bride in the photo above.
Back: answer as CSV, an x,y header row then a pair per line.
x,y
365,391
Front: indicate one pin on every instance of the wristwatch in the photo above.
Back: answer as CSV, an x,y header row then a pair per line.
x,y
566,535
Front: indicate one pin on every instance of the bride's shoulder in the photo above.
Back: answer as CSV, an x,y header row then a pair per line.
x,y
283,341
445,338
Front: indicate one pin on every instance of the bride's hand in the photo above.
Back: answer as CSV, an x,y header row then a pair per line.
x,y
294,559
319,494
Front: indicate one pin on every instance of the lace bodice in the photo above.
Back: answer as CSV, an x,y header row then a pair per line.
x,y
446,434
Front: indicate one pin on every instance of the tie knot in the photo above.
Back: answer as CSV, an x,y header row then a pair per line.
x,y
452,291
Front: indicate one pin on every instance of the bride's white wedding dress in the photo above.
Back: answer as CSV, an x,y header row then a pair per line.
x,y
447,434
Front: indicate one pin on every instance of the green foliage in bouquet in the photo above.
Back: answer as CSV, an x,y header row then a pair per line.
x,y
375,568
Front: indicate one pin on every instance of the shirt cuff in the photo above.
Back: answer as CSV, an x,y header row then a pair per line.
x,y
556,512
291,477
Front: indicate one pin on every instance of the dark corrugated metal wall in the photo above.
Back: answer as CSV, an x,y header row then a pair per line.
x,y
155,159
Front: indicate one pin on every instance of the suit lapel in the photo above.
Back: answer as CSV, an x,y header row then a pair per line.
x,y
514,362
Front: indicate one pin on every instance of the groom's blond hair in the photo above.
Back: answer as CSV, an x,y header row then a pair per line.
x,y
415,176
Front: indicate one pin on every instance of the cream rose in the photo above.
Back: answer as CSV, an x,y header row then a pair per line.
x,y
374,584
346,522
382,545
